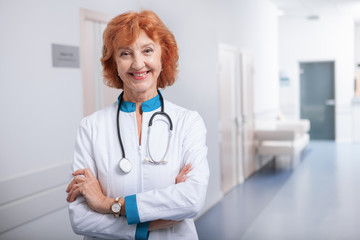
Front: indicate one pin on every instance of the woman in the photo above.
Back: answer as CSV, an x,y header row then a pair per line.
x,y
153,183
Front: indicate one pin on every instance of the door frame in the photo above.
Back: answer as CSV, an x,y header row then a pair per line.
x,y
247,113
95,93
235,116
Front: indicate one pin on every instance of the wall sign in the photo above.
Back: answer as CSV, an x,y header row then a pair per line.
x,y
284,79
65,56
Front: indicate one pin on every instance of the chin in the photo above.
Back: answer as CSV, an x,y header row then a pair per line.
x,y
143,88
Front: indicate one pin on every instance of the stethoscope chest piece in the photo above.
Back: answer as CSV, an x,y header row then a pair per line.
x,y
125,165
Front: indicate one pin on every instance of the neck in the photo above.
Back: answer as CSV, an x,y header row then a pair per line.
x,y
137,97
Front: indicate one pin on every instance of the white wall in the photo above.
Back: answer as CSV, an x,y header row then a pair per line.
x,y
357,45
328,39
252,26
41,106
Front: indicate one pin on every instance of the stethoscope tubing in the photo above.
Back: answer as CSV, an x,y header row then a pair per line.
x,y
161,112
163,159
118,126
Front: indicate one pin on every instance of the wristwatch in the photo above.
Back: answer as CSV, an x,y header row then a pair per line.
x,y
116,207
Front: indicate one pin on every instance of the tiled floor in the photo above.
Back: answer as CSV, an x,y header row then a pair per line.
x,y
319,199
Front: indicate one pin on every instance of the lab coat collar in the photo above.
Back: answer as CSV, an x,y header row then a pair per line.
x,y
147,106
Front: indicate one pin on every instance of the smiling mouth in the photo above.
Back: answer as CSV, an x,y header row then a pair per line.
x,y
140,74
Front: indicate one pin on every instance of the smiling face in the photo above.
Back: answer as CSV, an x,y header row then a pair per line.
x,y
139,66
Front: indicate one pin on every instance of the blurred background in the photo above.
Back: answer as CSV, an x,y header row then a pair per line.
x,y
273,80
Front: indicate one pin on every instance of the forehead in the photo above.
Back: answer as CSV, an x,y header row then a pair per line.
x,y
142,40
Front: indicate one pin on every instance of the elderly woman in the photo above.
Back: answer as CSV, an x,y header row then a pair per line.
x,y
130,182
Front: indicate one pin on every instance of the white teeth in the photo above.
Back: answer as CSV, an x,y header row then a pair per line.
x,y
140,75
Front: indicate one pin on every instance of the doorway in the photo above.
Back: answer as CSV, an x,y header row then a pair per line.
x,y
317,98
231,107
96,94
247,114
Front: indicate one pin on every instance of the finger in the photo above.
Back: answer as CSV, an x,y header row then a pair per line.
x,y
88,173
74,194
180,176
76,189
79,172
185,168
189,170
68,196
70,186
77,179
181,179
182,171
71,191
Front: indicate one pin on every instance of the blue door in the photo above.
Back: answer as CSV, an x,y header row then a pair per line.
x,y
317,102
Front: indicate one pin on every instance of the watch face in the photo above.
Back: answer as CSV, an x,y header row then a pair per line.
x,y
116,207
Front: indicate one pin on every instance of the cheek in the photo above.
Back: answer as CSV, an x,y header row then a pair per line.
x,y
156,63
121,68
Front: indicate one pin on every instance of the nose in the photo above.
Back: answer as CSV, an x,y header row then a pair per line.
x,y
138,62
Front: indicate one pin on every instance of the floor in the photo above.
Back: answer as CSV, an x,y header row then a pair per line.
x,y
317,199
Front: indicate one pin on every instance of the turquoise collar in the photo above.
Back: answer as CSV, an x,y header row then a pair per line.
x,y
148,106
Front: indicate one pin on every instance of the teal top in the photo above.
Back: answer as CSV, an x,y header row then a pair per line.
x,y
147,106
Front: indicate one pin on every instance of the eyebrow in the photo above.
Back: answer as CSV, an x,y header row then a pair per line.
x,y
148,44
143,46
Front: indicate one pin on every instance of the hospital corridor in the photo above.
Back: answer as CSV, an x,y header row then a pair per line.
x,y
155,119
317,200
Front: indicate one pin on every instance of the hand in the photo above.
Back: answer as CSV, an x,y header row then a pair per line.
x,y
161,224
181,177
85,184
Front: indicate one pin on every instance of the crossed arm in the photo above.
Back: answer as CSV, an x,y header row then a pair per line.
x,y
178,201
86,184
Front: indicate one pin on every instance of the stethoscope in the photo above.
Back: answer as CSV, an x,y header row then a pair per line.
x,y
124,163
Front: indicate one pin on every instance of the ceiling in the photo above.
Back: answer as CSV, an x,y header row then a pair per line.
x,y
313,8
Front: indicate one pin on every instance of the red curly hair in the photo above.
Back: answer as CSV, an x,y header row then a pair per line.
x,y
123,30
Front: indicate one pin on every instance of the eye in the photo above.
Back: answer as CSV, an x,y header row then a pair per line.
x,y
125,53
148,51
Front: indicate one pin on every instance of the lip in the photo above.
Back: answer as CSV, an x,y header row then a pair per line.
x,y
139,75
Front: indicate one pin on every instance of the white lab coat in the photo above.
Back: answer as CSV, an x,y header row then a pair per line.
x,y
157,196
